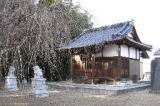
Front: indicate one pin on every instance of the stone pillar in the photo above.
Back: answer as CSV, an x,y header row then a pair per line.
x,y
39,87
155,75
11,80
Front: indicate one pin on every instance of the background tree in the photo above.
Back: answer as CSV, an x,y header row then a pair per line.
x,y
30,35
80,20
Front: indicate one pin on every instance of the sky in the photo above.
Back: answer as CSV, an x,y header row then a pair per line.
x,y
145,13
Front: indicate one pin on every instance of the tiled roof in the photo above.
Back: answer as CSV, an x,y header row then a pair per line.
x,y
101,35
139,43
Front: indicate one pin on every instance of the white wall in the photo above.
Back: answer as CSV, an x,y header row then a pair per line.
x,y
124,51
132,52
138,54
109,51
141,59
130,35
112,50
141,69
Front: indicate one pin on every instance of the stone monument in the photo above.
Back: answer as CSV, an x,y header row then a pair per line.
x,y
38,83
11,80
155,75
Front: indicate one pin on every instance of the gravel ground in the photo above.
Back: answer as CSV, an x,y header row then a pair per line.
x,y
70,98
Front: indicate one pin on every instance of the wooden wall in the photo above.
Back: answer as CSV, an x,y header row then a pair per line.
x,y
112,68
134,68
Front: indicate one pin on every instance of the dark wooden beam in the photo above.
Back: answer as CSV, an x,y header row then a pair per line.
x,y
136,53
71,67
100,59
128,51
102,50
93,66
119,50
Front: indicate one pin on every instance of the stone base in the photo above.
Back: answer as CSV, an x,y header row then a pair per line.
x,y
41,93
11,84
39,87
11,88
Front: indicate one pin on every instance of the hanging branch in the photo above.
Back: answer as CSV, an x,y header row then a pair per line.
x,y
30,34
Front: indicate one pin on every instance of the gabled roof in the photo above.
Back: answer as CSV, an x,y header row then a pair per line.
x,y
103,35
140,44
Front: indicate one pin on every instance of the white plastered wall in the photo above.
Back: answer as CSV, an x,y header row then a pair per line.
x,y
132,52
138,54
112,50
109,51
124,51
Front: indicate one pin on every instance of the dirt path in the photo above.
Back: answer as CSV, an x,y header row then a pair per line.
x,y
68,98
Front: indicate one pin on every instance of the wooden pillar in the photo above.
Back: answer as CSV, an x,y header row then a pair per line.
x,y
93,66
71,67
120,67
119,50
128,52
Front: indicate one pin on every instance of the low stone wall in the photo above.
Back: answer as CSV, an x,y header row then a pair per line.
x,y
99,89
